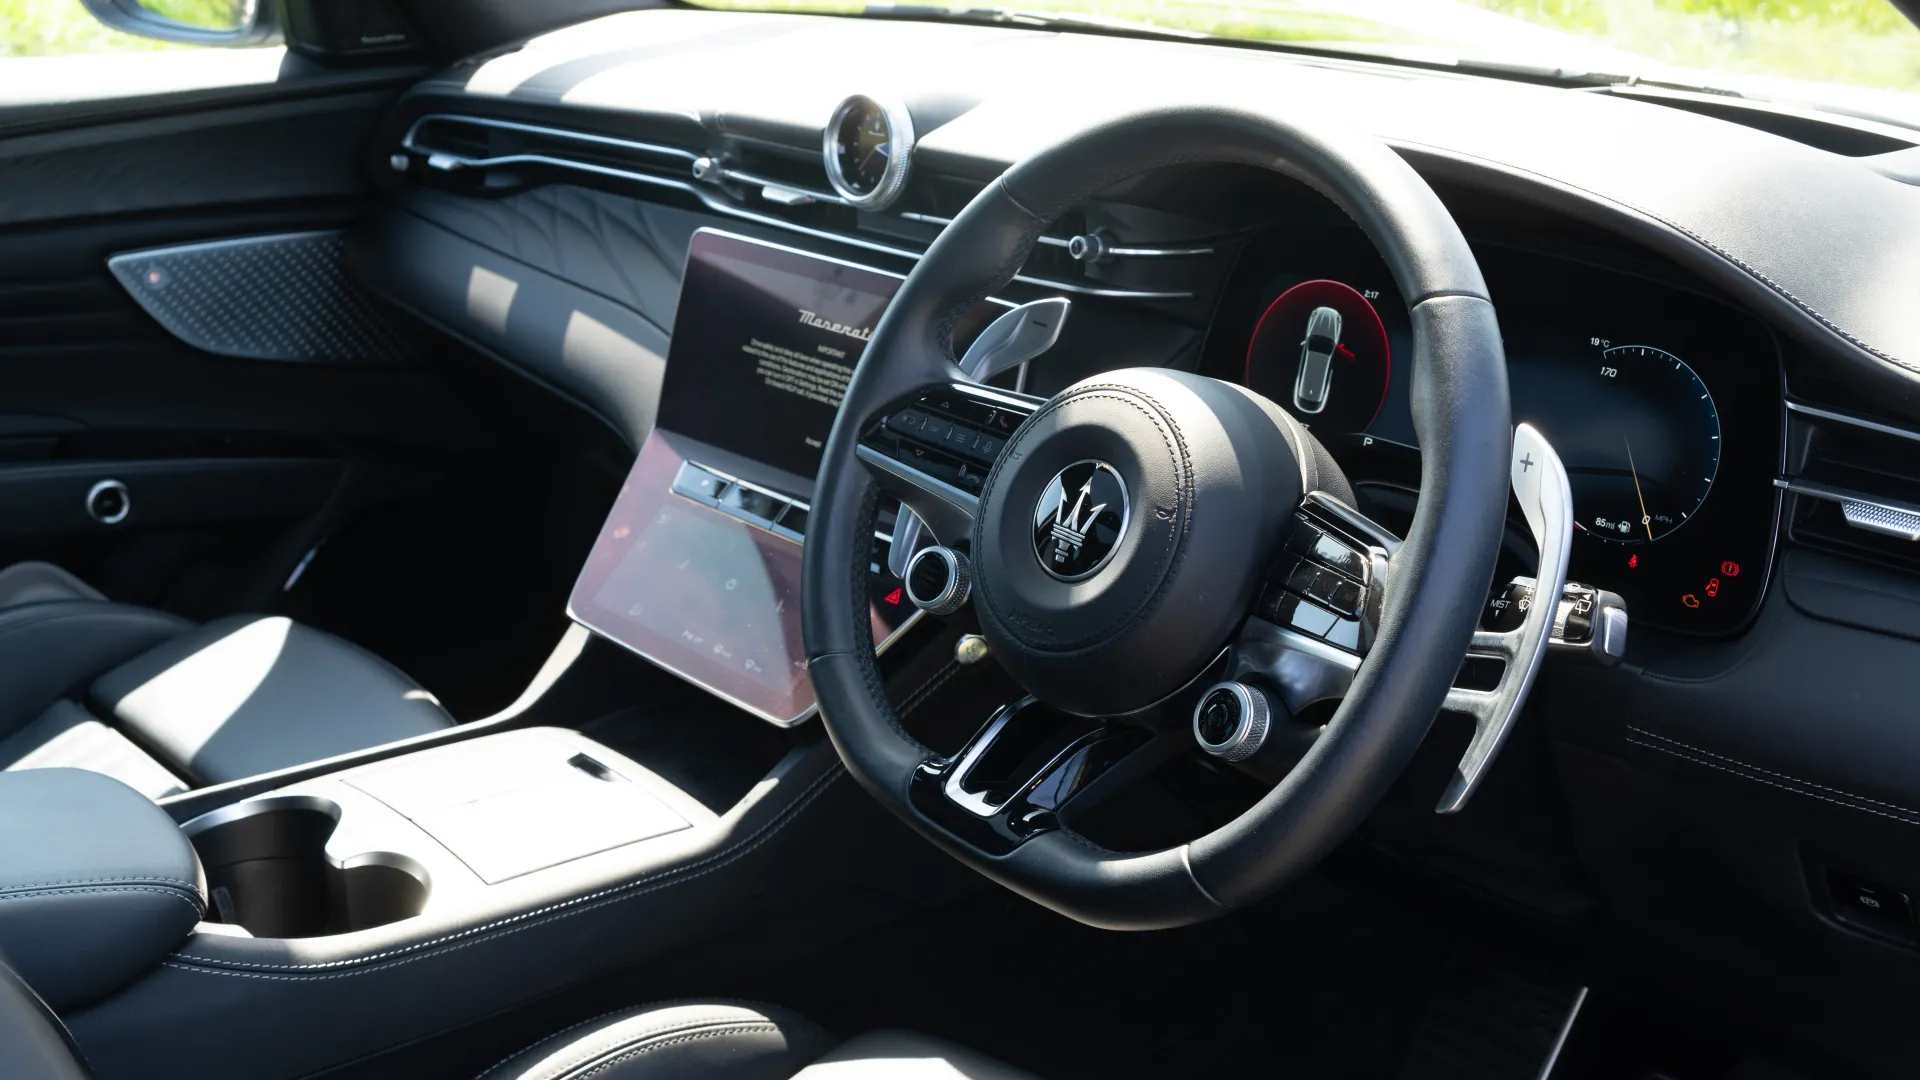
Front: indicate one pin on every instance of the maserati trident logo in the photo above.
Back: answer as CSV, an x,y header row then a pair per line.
x,y
1080,519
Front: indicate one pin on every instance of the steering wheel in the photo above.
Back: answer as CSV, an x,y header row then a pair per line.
x,y
1122,549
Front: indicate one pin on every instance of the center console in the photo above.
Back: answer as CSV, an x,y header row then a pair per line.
x,y
430,831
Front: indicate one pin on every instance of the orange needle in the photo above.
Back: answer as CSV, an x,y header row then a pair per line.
x,y
1645,518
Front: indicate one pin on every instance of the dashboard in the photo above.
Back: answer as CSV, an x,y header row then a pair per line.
x,y
1664,405
1723,350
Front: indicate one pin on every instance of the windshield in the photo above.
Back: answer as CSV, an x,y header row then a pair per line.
x,y
1770,48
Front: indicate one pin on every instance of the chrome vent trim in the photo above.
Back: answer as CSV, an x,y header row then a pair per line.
x,y
1862,511
699,176
1855,421
1873,484
1074,245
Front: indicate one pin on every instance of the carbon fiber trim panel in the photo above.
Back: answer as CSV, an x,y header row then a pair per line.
x,y
284,297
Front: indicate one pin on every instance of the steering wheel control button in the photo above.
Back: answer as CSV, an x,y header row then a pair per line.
x,y
1345,633
751,504
1230,721
1299,613
949,436
109,502
698,484
939,580
1080,520
1589,621
1303,538
1331,553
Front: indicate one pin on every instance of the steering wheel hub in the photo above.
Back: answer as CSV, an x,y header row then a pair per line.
x,y
1121,494
1080,520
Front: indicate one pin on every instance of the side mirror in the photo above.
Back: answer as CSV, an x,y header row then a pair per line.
x,y
193,22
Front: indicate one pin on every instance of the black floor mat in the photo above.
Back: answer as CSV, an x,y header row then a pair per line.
x,y
1327,981
1491,1019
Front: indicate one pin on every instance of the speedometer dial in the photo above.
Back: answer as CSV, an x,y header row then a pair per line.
x,y
1640,437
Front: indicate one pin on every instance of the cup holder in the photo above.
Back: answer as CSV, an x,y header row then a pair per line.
x,y
268,871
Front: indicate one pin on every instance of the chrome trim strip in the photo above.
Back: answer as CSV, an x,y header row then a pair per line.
x,y
407,140
247,808
561,163
1813,489
1560,1040
1843,418
1156,252
1110,294
1138,252
720,206
741,176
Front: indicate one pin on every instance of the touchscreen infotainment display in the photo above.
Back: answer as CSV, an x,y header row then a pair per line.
x,y
698,565
763,345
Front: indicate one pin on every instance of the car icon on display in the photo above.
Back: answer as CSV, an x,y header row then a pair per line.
x,y
1316,360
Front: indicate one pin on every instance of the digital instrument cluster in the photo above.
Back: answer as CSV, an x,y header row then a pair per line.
x,y
1663,404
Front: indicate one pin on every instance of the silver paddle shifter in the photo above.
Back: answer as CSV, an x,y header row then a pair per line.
x,y
1012,339
1546,500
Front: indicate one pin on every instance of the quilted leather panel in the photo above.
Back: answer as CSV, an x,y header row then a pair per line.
x,y
624,249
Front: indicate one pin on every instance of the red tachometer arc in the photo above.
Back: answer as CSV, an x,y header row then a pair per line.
x,y
1365,336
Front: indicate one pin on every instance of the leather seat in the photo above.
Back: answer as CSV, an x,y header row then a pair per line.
x,y
681,1041
165,705
738,1041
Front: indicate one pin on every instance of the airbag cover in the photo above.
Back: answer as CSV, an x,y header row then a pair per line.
x,y
1209,479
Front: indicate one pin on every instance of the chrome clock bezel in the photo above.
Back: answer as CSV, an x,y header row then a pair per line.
x,y
893,179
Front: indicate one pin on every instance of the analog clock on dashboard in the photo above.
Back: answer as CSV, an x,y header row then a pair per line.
x,y
867,146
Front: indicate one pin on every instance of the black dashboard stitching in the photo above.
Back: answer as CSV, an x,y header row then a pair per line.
x,y
1735,260
1686,752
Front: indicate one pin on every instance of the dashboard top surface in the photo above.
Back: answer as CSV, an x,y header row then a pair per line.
x,y
1810,238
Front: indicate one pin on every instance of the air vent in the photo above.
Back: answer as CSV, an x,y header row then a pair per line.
x,y
1108,250
502,153
1854,485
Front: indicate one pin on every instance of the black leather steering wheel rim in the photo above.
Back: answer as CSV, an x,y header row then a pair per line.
x,y
1442,571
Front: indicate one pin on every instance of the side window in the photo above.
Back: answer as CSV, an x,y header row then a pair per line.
x,y
55,52
74,27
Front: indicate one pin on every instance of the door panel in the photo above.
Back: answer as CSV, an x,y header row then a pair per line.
x,y
415,500
236,467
